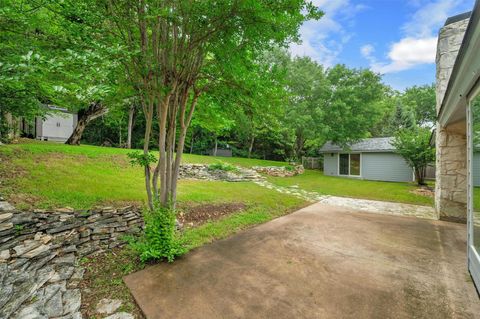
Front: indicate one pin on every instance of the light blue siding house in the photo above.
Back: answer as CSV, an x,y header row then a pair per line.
x,y
371,158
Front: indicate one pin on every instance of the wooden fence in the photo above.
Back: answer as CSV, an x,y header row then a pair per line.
x,y
312,162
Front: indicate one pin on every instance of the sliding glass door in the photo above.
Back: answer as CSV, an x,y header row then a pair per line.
x,y
349,164
473,224
343,164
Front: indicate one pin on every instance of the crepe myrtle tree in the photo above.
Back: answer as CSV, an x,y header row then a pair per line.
x,y
178,50
414,146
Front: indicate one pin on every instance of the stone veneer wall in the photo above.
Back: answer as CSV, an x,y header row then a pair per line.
x,y
39,254
451,142
451,180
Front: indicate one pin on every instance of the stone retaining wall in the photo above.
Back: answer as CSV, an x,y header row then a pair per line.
x,y
40,252
204,172
280,171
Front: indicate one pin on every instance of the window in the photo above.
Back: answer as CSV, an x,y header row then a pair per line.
x,y
343,164
349,164
355,164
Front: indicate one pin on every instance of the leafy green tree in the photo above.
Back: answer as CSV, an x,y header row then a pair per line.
x,y
420,102
22,68
308,90
176,50
354,104
414,146
214,115
86,82
63,62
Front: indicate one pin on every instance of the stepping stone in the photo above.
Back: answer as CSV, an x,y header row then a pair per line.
x,y
108,306
120,315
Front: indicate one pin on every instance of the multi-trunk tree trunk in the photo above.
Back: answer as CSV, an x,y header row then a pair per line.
x,y
420,173
85,116
131,120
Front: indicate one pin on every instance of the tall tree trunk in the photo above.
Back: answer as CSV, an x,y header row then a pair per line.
x,y
191,142
184,124
131,119
95,110
216,146
250,147
120,140
148,111
11,124
299,144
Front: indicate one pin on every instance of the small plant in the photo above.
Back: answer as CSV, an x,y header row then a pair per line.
x,y
127,268
220,166
19,228
141,159
289,168
160,239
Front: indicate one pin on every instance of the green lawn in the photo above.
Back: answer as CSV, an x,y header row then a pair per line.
x,y
44,175
348,187
33,147
55,175
48,175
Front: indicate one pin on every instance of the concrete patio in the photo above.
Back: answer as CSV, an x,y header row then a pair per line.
x,y
320,262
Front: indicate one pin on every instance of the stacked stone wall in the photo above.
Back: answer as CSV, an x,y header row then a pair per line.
x,y
40,253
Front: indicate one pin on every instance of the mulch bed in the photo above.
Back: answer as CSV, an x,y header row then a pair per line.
x,y
103,279
424,191
196,215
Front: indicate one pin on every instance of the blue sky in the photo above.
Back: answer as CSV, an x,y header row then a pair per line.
x,y
392,37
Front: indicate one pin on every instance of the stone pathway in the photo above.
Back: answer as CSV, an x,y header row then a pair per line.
x,y
371,206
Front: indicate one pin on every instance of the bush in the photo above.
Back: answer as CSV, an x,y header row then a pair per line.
x,y
220,166
413,144
160,240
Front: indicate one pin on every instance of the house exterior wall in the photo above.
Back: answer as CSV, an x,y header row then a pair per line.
x,y
380,166
330,164
451,142
389,167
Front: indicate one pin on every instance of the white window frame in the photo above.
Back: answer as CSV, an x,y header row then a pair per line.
x,y
349,175
473,253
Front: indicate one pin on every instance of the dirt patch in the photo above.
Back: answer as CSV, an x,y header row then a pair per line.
x,y
192,215
424,191
23,201
103,279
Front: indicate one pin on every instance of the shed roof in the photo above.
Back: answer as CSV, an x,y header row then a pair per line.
x,y
375,144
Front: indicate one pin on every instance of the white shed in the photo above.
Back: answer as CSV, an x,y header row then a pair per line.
x,y
56,126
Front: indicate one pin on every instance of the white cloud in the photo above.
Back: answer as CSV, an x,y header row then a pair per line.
x,y
367,51
316,36
426,20
406,54
419,44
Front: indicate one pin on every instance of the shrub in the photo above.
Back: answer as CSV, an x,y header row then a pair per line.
x,y
159,240
413,144
289,168
220,166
